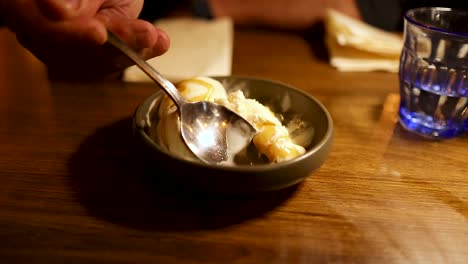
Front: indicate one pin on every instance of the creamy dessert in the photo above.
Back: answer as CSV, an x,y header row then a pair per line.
x,y
272,140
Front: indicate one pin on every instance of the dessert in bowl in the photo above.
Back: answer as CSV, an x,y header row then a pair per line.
x,y
295,134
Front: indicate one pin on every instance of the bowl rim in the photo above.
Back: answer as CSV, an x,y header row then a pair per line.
x,y
243,168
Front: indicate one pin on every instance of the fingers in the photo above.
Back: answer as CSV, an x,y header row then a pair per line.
x,y
158,49
163,44
64,37
59,9
140,35
86,21
29,22
60,31
81,31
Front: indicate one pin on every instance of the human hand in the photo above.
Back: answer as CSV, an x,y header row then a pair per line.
x,y
71,34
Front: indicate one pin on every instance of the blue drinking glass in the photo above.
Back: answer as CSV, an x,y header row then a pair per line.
x,y
434,72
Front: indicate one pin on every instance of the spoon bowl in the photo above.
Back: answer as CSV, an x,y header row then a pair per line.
x,y
208,129
211,132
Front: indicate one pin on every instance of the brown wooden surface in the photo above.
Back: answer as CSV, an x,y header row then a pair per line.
x,y
71,190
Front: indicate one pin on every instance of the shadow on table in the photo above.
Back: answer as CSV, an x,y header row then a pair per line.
x,y
111,183
315,37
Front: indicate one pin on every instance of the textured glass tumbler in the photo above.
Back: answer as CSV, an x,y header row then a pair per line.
x,y
434,72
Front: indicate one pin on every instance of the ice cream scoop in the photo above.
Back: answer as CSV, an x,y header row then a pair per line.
x,y
206,127
272,144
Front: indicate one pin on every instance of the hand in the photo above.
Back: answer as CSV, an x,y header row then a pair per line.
x,y
71,34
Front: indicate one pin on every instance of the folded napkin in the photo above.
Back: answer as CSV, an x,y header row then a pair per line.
x,y
355,46
199,47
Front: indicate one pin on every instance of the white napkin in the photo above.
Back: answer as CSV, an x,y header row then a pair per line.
x,y
356,46
199,47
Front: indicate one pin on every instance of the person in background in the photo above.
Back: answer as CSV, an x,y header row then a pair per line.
x,y
72,33
301,14
285,14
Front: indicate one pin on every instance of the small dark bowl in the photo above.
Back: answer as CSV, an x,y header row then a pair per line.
x,y
241,179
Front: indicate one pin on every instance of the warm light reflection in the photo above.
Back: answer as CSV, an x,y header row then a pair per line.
x,y
206,138
201,123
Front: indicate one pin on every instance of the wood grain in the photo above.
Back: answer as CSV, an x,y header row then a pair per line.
x,y
72,191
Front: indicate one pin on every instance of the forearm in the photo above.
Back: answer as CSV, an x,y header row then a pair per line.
x,y
280,13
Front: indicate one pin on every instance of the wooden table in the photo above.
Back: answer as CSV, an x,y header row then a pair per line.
x,y
71,190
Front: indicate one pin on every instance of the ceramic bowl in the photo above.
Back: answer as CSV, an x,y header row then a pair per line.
x,y
281,98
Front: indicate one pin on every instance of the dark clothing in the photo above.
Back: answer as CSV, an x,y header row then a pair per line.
x,y
388,14
384,14
154,9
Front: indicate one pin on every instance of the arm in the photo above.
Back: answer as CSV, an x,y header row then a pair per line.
x,y
286,14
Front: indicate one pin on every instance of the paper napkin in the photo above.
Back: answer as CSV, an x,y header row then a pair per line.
x,y
199,47
354,45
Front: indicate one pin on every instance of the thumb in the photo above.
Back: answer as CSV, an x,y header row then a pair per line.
x,y
60,9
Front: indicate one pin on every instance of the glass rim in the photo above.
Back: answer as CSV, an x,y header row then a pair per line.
x,y
436,29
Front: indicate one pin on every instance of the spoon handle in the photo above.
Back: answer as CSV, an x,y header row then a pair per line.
x,y
167,86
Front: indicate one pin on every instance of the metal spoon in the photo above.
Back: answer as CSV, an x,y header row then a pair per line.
x,y
211,131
